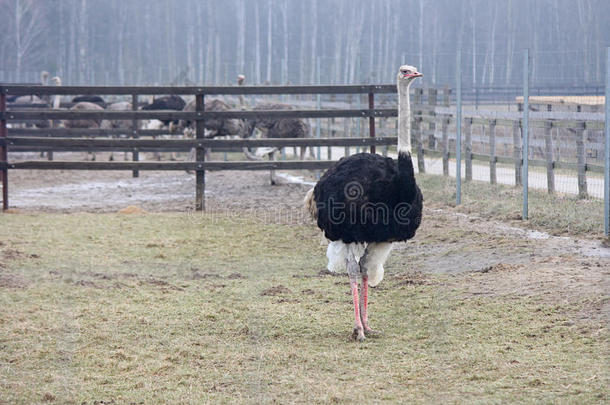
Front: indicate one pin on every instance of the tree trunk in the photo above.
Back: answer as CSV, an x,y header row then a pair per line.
x,y
257,45
303,41
314,40
241,36
82,42
200,24
269,41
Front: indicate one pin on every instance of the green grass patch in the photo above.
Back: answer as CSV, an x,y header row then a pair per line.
x,y
167,308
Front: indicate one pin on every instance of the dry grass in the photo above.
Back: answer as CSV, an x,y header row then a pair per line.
x,y
163,308
556,214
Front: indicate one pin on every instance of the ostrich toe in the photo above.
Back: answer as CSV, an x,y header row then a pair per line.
x,y
358,334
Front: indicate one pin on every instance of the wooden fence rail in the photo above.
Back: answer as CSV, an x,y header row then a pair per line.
x,y
71,139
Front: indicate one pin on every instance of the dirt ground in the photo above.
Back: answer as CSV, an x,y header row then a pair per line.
x,y
490,257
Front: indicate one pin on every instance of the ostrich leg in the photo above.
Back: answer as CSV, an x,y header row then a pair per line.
x,y
371,267
272,172
364,301
353,270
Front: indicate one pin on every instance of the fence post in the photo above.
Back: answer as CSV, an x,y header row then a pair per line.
x,y
416,133
372,120
135,154
550,164
458,132
607,156
493,178
346,132
330,131
445,145
3,153
582,160
468,148
432,101
526,115
517,152
445,133
199,155
384,150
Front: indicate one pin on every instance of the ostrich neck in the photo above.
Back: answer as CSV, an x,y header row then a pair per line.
x,y
404,117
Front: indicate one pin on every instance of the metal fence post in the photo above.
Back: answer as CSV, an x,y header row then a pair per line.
x,y
607,157
372,120
199,156
319,107
526,110
458,133
135,154
4,153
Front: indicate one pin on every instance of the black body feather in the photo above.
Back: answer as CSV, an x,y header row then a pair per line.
x,y
171,102
369,198
90,99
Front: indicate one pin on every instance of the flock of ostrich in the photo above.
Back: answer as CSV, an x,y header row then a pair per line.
x,y
268,128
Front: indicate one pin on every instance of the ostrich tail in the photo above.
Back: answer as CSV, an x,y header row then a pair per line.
x,y
310,204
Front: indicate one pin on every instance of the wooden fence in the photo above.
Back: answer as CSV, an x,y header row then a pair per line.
x,y
432,114
73,139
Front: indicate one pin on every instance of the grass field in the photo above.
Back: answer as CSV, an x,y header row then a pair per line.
x,y
172,308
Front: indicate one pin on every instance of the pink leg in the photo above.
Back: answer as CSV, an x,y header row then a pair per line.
x,y
358,333
364,304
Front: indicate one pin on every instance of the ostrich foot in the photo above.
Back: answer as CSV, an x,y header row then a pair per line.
x,y
372,333
358,334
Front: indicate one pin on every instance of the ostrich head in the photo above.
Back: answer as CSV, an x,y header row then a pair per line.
x,y
56,80
407,73
241,79
44,77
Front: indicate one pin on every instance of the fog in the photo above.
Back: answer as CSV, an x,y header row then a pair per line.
x,y
303,42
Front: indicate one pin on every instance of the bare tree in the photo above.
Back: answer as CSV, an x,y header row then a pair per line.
x,y
82,42
257,44
269,39
27,31
241,36
314,40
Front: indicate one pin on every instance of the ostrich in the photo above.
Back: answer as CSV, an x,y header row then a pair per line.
x,y
84,106
118,124
278,128
213,127
171,102
56,81
34,101
44,81
365,203
90,99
